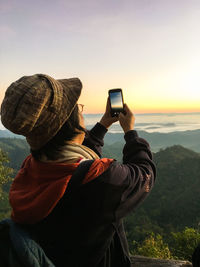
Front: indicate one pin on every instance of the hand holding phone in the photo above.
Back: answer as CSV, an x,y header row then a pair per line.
x,y
127,119
116,101
107,120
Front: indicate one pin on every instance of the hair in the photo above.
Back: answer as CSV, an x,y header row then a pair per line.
x,y
70,129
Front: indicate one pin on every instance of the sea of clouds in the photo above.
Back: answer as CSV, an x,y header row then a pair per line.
x,y
161,122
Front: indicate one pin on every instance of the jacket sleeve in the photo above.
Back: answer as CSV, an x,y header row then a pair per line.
x,y
132,180
94,138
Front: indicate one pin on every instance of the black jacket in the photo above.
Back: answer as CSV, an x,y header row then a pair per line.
x,y
85,229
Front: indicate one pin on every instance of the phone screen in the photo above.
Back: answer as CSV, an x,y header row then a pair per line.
x,y
116,101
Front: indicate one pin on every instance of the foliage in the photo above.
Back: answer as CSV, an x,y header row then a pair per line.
x,y
154,247
183,243
5,171
138,226
179,245
174,201
5,208
16,149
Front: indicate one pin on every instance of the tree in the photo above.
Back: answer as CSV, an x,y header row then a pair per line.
x,y
183,243
154,247
5,171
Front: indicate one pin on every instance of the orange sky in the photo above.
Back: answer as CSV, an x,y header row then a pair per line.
x,y
150,49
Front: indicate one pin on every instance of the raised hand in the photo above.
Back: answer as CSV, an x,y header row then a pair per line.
x,y
127,119
107,120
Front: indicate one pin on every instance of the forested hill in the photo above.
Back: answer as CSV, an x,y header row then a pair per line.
x,y
17,149
174,201
177,190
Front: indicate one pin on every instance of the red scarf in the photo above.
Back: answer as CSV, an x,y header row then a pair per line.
x,y
39,186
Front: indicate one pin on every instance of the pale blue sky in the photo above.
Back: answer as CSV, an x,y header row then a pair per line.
x,y
150,48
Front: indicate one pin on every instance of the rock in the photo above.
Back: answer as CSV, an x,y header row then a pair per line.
x,y
140,261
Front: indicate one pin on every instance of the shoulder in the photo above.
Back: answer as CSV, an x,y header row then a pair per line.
x,y
108,169
98,167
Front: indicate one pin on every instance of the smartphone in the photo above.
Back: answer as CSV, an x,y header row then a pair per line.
x,y
116,101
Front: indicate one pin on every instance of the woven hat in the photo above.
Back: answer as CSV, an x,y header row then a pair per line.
x,y
37,106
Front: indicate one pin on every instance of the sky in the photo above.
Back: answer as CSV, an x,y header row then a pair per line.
x,y
149,48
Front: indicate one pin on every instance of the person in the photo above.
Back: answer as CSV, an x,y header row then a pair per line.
x,y
83,225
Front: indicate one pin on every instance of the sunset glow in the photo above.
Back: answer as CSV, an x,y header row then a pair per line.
x,y
150,49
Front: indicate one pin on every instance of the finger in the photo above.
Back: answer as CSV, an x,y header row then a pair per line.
x,y
115,119
127,109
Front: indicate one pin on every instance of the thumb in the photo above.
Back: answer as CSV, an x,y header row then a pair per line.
x,y
127,109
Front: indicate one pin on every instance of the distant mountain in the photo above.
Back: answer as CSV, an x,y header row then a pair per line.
x,y
6,134
189,139
113,151
157,141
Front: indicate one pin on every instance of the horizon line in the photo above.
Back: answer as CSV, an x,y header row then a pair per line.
x,y
149,113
